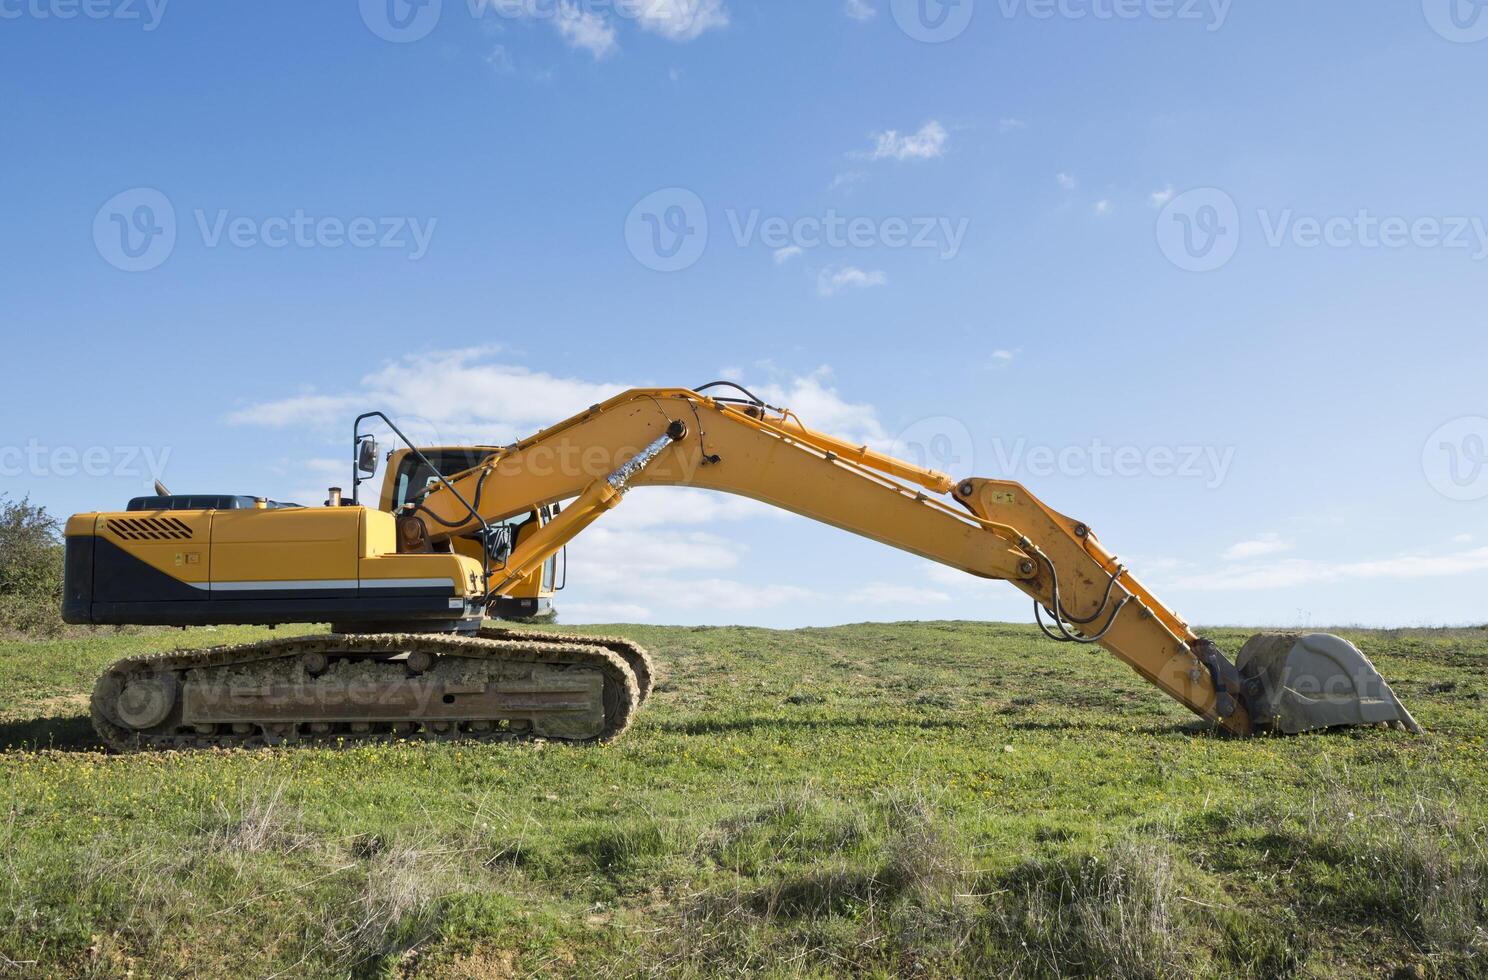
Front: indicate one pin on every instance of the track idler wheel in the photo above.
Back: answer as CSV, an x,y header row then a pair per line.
x,y
146,701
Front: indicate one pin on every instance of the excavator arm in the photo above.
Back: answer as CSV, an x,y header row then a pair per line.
x,y
988,528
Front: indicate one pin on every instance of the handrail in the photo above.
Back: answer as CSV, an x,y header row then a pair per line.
x,y
357,479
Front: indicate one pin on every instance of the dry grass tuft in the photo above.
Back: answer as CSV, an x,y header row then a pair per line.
x,y
1111,915
395,910
1419,863
260,821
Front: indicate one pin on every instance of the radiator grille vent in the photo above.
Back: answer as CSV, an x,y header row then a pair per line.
x,y
150,528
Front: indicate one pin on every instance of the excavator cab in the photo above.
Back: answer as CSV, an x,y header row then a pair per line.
x,y
408,478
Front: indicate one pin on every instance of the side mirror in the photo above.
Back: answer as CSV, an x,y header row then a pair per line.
x,y
367,456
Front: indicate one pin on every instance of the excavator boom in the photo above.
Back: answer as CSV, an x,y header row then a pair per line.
x,y
988,528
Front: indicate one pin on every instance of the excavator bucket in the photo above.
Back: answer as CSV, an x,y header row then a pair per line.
x,y
1301,682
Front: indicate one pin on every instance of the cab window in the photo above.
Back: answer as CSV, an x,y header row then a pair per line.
x,y
414,476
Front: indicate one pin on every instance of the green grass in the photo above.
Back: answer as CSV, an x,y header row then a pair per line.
x,y
925,799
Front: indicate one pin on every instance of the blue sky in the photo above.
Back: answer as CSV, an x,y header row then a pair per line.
x,y
1207,275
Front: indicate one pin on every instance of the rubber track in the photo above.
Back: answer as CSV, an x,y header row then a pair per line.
x,y
621,696
633,653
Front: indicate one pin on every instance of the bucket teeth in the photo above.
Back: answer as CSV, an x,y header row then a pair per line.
x,y
1301,682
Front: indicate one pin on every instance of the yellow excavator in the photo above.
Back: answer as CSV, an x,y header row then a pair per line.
x,y
469,533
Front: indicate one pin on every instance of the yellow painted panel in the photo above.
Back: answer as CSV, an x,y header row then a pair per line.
x,y
457,568
286,545
176,542
379,534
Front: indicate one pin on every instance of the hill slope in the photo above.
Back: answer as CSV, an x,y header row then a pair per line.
x,y
922,798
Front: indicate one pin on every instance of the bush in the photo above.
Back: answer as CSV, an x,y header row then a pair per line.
x,y
30,569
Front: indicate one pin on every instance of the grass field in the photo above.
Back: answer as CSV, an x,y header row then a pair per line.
x,y
924,799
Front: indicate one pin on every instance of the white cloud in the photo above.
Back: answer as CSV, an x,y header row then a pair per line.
x,y
889,595
1003,356
1009,123
833,281
326,466
461,392
648,507
784,255
1102,208
1066,181
664,549
859,10
616,565
681,20
585,30
500,60
848,178
606,612
462,396
1162,197
613,555
472,397
947,577
820,406
1297,571
927,144
299,410
1462,539
1270,543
